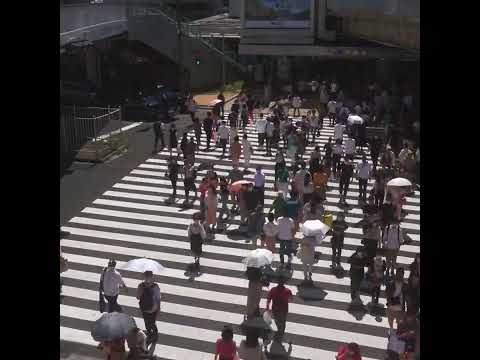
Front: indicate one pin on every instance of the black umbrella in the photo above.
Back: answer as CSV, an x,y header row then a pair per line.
x,y
112,326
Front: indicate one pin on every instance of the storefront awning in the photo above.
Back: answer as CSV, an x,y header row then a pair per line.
x,y
329,52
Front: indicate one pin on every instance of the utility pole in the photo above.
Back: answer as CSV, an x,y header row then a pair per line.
x,y
224,76
179,48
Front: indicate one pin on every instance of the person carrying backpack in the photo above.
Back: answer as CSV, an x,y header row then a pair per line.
x,y
110,283
148,294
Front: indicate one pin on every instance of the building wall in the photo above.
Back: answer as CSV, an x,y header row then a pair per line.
x,y
74,18
156,32
390,21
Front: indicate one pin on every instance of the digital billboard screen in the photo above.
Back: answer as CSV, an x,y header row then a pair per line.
x,y
277,14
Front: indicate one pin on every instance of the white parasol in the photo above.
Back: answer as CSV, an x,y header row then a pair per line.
x,y
258,258
355,119
399,182
314,228
142,265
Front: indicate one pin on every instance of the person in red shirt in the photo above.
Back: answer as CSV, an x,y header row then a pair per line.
x,y
226,348
279,296
349,352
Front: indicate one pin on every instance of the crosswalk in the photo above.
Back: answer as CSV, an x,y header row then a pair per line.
x,y
131,220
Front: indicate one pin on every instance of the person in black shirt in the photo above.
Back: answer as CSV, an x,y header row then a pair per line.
x,y
338,228
235,107
173,168
357,272
208,128
197,127
244,116
173,143
183,143
158,133
221,97
375,147
233,118
346,173
328,150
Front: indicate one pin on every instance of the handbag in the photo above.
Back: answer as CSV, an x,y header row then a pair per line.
x,y
63,264
101,302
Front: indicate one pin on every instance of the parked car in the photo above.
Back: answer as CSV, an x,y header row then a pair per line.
x,y
160,104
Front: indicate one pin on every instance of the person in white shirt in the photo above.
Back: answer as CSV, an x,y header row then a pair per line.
x,y
270,232
337,155
364,170
286,231
223,134
315,125
338,132
332,111
299,179
110,283
283,131
350,146
261,125
404,154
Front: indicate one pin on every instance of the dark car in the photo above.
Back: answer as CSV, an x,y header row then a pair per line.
x,y
77,92
159,105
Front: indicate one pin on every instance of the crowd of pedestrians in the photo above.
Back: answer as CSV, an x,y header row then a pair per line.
x,y
301,187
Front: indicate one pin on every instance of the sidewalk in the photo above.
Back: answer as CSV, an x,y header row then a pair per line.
x,y
204,99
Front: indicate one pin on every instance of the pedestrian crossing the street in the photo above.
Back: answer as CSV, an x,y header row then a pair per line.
x,y
131,220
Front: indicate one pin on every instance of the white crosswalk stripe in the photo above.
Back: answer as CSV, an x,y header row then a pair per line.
x,y
131,220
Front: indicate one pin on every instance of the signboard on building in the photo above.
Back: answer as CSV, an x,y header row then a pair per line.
x,y
278,14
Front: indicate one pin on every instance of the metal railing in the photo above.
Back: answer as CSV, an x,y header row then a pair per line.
x,y
78,125
193,31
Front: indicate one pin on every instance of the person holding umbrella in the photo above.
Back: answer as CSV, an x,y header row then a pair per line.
x,y
254,294
111,330
196,235
148,294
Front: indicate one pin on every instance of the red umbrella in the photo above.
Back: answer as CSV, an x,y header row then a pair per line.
x,y
237,185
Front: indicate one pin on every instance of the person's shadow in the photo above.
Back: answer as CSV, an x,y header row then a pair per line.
x,y
277,351
308,291
192,272
357,310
